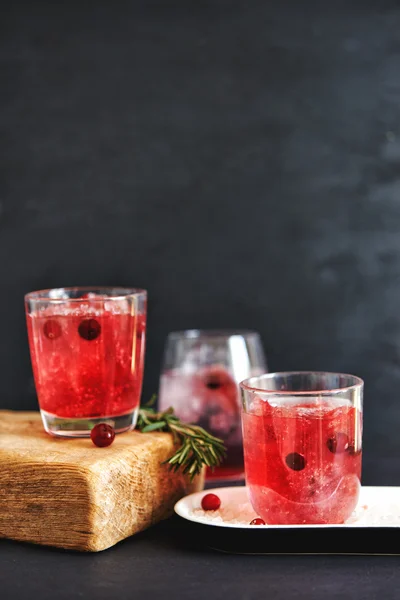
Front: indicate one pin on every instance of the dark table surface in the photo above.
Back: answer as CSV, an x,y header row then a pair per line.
x,y
155,565
168,561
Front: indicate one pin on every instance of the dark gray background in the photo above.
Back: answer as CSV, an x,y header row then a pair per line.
x,y
240,160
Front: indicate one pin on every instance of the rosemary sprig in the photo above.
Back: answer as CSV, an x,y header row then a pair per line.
x,y
196,447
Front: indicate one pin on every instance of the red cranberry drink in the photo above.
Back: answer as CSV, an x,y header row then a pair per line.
x,y
87,352
301,462
303,451
208,397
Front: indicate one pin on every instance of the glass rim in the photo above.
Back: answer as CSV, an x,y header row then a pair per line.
x,y
124,292
246,384
212,333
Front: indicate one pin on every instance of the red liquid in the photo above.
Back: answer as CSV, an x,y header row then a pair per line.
x,y
303,462
87,371
208,397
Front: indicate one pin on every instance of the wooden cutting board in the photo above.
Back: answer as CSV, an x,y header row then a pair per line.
x,y
70,494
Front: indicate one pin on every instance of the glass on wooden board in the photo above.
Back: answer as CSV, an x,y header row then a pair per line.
x,y
199,379
302,437
87,348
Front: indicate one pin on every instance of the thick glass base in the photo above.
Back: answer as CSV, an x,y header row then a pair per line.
x,y
67,427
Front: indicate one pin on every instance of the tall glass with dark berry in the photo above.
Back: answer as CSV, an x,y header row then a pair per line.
x,y
200,380
302,436
87,349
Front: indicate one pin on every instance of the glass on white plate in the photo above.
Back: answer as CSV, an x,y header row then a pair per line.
x,y
302,435
200,379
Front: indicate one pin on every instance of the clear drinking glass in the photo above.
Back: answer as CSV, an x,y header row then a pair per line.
x,y
87,349
302,436
199,379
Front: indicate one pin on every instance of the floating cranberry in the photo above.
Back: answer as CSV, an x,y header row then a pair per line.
x,y
257,521
52,329
352,450
213,382
102,435
295,461
89,329
338,443
210,502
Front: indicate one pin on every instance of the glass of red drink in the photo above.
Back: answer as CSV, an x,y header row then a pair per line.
x,y
87,349
302,437
200,380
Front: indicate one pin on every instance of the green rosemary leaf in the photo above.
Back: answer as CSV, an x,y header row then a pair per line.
x,y
154,426
150,403
184,454
196,447
176,458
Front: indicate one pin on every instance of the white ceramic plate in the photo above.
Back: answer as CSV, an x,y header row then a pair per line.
x,y
374,527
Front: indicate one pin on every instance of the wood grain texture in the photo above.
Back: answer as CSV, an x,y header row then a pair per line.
x,y
70,494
